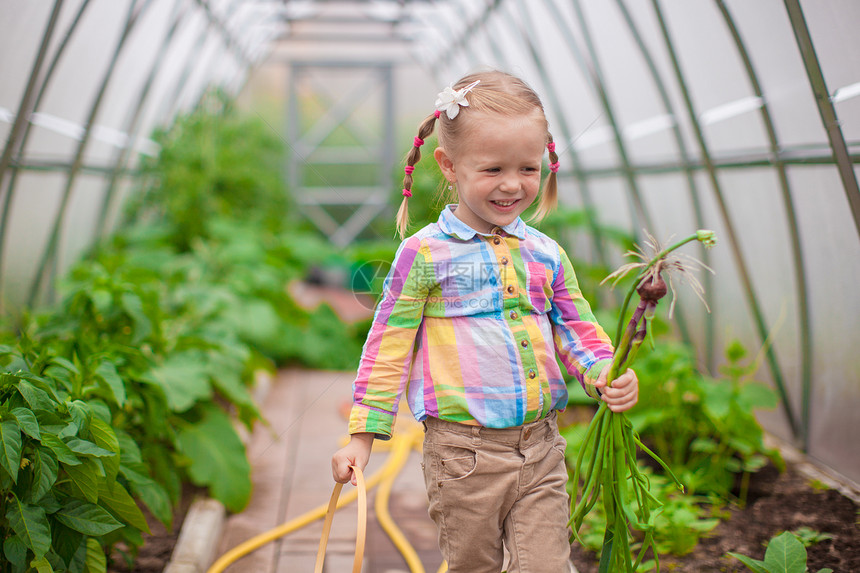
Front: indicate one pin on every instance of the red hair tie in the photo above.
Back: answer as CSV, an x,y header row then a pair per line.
x,y
551,147
418,141
409,169
554,167
407,193
437,113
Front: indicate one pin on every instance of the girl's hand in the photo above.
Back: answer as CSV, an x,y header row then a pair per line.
x,y
624,392
355,453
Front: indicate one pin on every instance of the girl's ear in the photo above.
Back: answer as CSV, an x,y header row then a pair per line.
x,y
445,163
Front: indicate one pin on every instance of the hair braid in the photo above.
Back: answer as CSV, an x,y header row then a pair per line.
x,y
549,195
414,155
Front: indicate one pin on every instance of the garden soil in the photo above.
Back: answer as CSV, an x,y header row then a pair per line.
x,y
776,502
158,546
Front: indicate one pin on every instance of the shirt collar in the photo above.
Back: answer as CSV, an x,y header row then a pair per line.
x,y
451,225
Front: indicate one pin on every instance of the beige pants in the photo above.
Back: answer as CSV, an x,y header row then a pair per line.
x,y
490,487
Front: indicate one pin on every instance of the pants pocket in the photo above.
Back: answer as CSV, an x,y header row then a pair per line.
x,y
455,462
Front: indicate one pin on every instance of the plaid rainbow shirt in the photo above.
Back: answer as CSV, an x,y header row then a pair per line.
x,y
469,326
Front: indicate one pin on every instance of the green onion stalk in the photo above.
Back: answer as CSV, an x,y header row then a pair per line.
x,y
611,442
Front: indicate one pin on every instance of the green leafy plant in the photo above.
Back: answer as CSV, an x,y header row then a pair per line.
x,y
785,554
705,428
131,384
213,162
810,537
64,484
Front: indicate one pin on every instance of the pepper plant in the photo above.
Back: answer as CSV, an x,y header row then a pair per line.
x,y
64,483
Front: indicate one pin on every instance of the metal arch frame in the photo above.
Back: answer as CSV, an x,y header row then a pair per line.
x,y
595,73
825,107
169,105
470,29
692,187
50,252
806,348
568,131
132,124
740,264
18,135
229,44
13,159
372,200
234,43
20,129
229,40
446,30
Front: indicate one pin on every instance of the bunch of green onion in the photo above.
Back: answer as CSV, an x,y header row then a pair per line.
x,y
610,439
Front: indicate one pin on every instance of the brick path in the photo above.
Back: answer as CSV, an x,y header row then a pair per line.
x,y
292,474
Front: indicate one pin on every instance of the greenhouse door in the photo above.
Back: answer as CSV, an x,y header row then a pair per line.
x,y
340,131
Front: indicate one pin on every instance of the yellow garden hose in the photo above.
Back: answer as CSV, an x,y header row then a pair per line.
x,y
400,453
401,445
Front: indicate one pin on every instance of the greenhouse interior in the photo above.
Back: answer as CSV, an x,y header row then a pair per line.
x,y
199,220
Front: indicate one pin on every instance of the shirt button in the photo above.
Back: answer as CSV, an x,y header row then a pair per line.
x,y
514,314
504,260
524,343
511,289
532,374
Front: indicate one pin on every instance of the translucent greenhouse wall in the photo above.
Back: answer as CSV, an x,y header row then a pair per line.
x,y
678,115
94,78
670,115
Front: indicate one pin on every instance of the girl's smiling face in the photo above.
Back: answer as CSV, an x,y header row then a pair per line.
x,y
496,167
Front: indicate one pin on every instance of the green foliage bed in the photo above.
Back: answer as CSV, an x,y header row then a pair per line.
x,y
130,384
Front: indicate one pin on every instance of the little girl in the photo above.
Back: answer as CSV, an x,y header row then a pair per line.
x,y
474,312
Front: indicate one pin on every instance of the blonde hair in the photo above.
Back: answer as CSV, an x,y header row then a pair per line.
x,y
497,92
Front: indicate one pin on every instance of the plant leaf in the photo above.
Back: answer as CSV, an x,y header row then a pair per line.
x,y
68,544
149,492
15,551
81,415
87,448
45,470
785,553
183,379
86,477
106,372
65,363
132,305
38,383
42,565
96,560
757,395
30,524
27,422
217,458
37,398
116,498
60,449
87,518
10,448
104,437
754,564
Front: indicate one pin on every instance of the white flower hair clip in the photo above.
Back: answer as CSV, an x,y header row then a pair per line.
x,y
449,100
